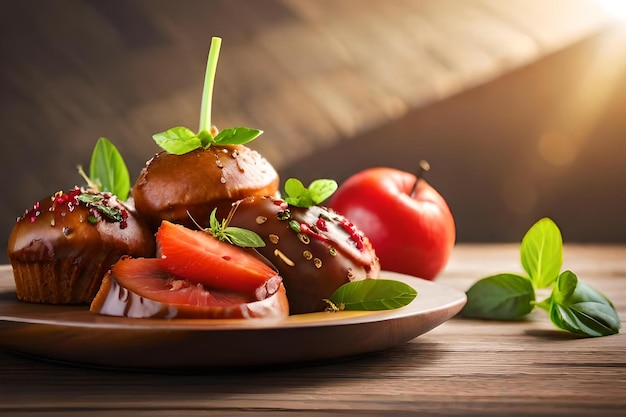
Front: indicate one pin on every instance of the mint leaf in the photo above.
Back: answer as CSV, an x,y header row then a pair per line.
x,y
243,237
236,136
234,235
372,294
580,309
500,297
297,194
541,252
300,196
321,189
107,170
177,140
566,285
294,187
213,222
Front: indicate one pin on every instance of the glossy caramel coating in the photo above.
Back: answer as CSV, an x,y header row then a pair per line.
x,y
314,249
61,249
171,185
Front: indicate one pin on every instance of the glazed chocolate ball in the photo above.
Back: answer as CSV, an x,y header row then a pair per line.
x,y
171,185
314,249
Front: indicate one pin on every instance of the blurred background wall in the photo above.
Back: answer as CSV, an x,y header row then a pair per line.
x,y
519,106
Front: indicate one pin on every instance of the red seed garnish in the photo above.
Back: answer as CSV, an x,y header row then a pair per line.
x,y
321,224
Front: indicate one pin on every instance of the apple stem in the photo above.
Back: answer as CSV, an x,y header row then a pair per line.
x,y
423,167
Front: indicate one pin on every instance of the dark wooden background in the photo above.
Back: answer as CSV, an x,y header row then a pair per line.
x,y
518,105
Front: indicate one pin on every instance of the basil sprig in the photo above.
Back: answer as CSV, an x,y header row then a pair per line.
x,y
234,235
371,295
300,196
578,308
180,140
572,305
230,234
107,170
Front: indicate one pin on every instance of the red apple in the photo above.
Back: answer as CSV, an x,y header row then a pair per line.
x,y
408,222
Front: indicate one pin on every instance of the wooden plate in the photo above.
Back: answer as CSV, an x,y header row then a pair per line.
x,y
73,334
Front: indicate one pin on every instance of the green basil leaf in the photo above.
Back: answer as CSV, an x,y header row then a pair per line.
x,y
373,294
243,237
177,140
541,252
580,309
500,297
108,170
321,189
566,285
294,187
236,136
234,235
297,194
300,196
214,224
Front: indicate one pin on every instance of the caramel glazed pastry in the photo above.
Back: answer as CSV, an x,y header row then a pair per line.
x,y
61,248
314,249
185,188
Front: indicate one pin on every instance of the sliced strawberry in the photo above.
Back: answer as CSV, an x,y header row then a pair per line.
x,y
201,258
151,279
143,287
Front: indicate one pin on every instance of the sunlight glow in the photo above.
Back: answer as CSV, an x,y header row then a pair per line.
x,y
584,104
614,8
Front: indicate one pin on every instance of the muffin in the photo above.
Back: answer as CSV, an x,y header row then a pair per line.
x,y
314,249
185,188
61,248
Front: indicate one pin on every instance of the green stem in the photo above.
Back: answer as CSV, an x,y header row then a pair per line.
x,y
545,304
207,92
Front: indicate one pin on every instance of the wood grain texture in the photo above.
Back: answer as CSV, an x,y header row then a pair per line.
x,y
464,367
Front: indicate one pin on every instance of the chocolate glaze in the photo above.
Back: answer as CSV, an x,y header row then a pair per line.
x,y
314,249
170,185
61,248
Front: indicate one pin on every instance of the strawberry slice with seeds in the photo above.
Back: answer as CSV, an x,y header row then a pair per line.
x,y
201,258
144,288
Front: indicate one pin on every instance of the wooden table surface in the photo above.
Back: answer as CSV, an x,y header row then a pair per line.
x,y
463,367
